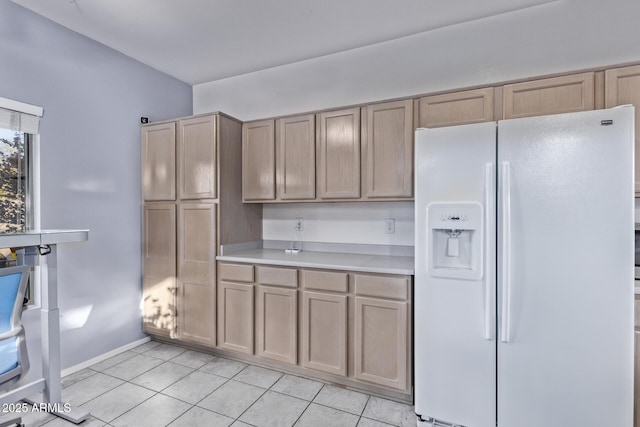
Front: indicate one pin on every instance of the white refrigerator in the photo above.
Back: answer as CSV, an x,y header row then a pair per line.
x,y
524,285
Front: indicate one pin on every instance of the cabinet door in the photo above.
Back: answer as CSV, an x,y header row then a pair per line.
x,y
258,161
324,332
197,158
235,316
459,108
387,150
381,342
622,86
556,95
159,268
296,157
339,154
159,162
277,324
196,272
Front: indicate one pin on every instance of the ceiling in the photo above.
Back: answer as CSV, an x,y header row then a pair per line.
x,y
199,41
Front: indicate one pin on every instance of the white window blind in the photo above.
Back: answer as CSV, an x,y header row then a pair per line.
x,y
18,116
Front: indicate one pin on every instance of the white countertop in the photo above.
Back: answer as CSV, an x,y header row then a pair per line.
x,y
42,237
328,260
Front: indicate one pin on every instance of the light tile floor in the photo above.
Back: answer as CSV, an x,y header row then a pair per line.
x,y
158,385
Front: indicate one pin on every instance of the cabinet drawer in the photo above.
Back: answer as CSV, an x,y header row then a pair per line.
x,y
382,286
278,276
325,281
237,272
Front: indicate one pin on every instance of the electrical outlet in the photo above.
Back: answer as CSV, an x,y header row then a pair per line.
x,y
299,224
390,226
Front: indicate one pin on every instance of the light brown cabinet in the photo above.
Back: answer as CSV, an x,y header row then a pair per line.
x,y
197,158
235,316
258,161
159,268
324,332
181,238
381,342
382,329
387,150
196,272
622,86
338,154
457,108
554,95
277,324
296,157
158,162
345,327
277,314
333,155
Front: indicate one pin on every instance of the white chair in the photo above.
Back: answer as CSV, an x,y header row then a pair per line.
x,y
14,361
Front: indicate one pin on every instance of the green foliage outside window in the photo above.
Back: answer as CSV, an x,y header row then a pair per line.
x,y
13,181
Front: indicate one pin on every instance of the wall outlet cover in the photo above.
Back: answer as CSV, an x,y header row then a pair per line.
x,y
390,226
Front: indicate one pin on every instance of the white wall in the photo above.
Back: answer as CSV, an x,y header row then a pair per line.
x,y
341,222
556,37
93,98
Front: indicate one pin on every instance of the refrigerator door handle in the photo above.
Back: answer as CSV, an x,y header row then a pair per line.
x,y
506,252
490,280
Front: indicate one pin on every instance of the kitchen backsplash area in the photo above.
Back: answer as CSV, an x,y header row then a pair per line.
x,y
358,223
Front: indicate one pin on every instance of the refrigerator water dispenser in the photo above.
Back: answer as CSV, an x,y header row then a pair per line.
x,y
455,240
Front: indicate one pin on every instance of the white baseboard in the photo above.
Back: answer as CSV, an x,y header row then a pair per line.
x,y
104,356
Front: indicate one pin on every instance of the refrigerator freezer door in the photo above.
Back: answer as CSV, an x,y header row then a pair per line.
x,y
455,362
566,356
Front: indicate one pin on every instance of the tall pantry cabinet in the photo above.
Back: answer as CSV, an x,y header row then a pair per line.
x,y
192,203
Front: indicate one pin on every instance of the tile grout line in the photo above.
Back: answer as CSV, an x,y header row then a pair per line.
x,y
249,407
226,381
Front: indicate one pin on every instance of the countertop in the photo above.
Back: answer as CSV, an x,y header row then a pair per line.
x,y
328,260
42,237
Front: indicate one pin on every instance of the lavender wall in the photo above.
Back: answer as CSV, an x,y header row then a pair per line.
x,y
93,98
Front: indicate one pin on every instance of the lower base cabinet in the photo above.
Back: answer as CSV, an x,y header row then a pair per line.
x,y
277,322
324,332
235,316
196,320
351,328
381,342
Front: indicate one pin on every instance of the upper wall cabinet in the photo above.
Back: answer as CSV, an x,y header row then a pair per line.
x,y
296,157
338,154
387,150
258,161
556,95
622,86
197,158
459,108
159,162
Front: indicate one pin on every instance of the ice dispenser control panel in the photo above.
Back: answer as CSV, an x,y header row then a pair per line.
x,y
455,240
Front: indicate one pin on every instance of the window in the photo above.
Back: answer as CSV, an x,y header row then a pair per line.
x,y
14,181
19,125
